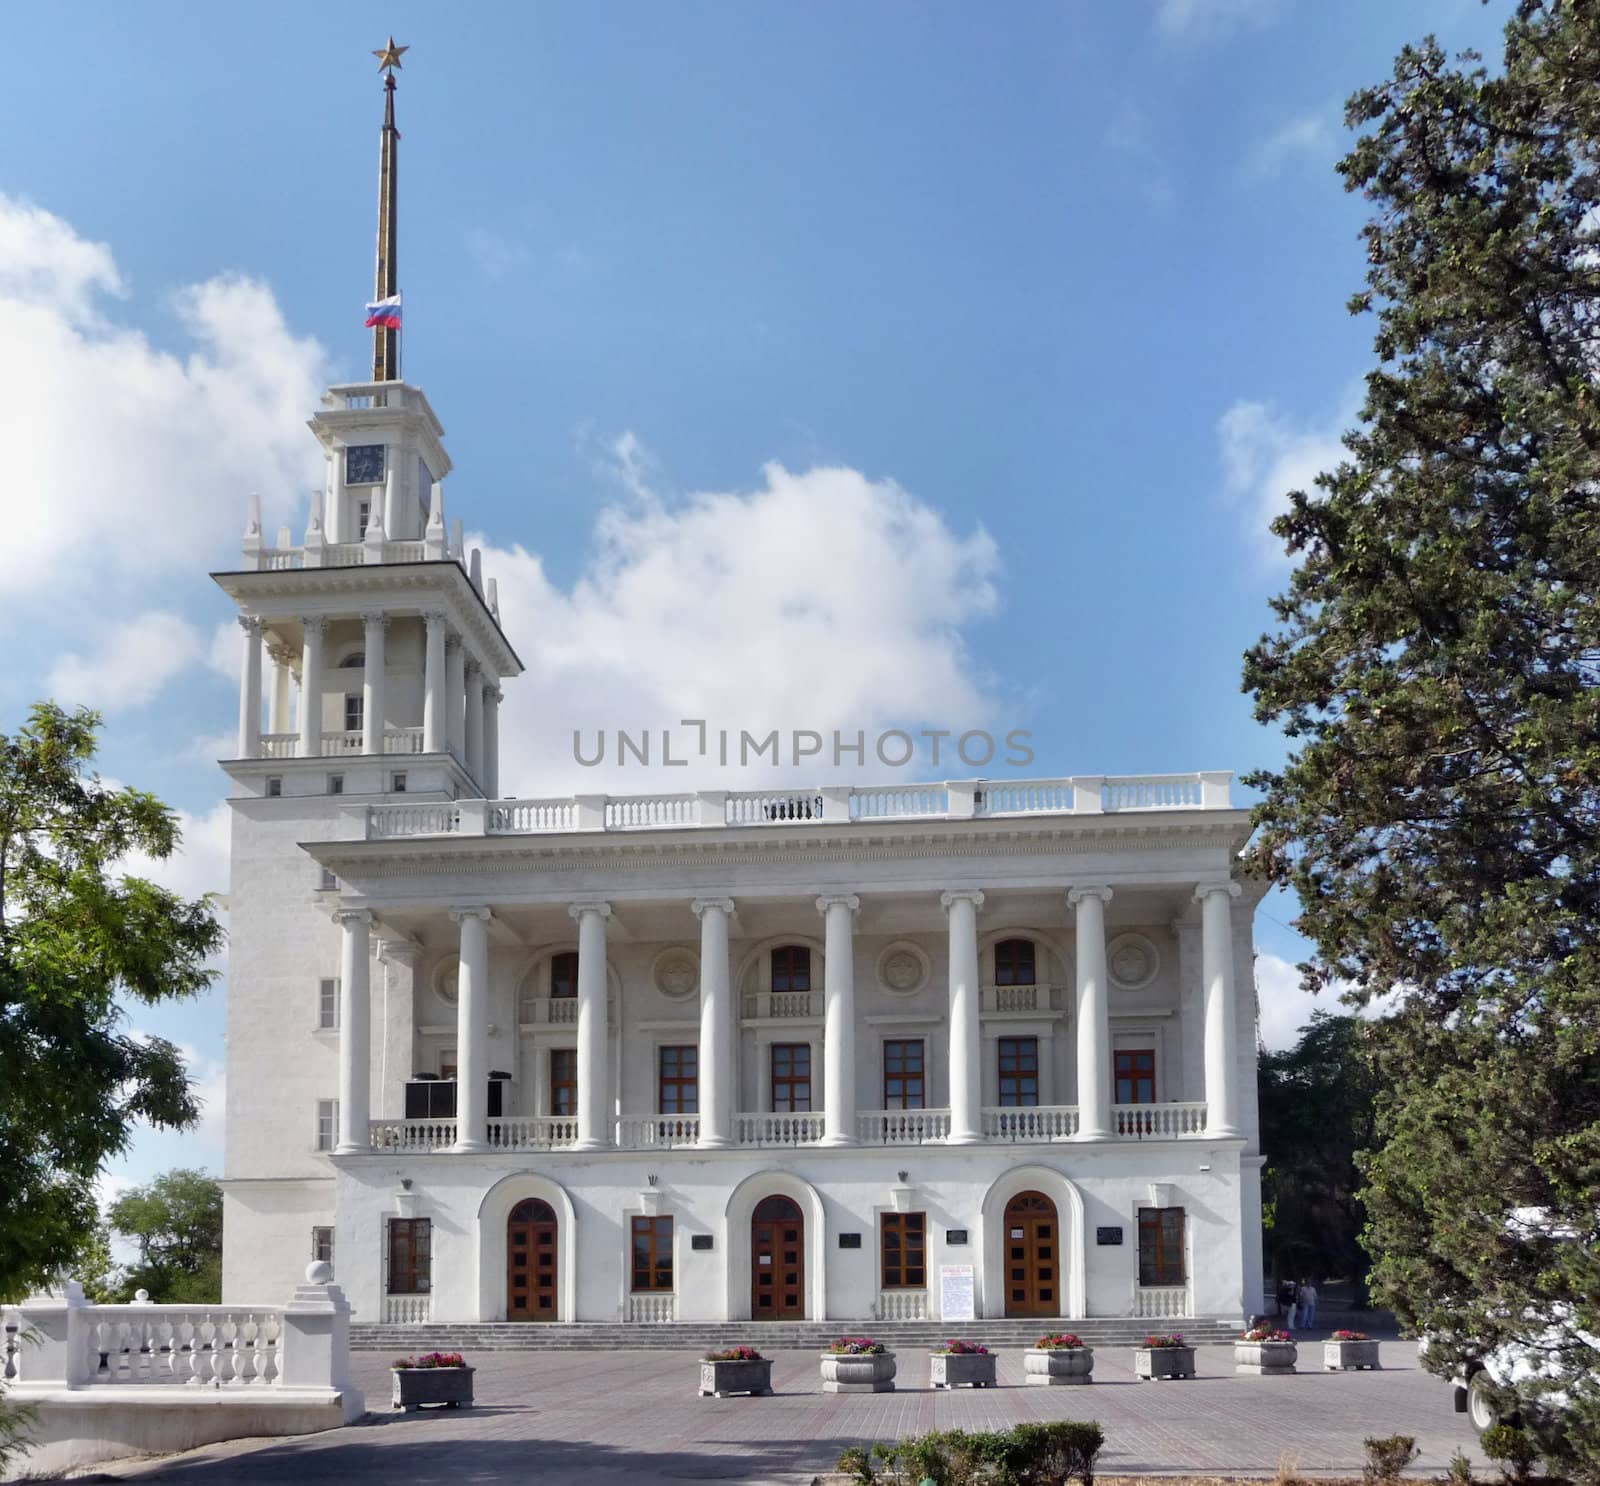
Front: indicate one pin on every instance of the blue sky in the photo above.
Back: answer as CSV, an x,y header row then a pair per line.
x,y
1040,308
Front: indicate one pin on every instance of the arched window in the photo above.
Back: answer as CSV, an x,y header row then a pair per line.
x,y
791,968
776,1210
355,661
1014,963
564,974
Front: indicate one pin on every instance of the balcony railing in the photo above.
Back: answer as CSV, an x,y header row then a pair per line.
x,y
900,1305
1019,998
548,1009
1161,1302
1030,1124
832,805
650,1309
411,1135
778,1005
902,1126
648,1132
533,1133
777,1129
1159,1121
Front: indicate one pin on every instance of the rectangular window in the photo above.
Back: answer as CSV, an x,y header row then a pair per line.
x,y
791,968
1014,963
679,1080
791,1077
564,1081
1019,1071
1161,1246
354,710
336,784
328,1003
652,1253
410,1256
322,1245
327,882
327,1124
564,975
274,786
903,1086
397,785
1136,1076
363,516
903,1251
447,1062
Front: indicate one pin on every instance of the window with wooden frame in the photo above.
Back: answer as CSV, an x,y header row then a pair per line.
x,y
791,968
791,1077
903,1251
564,975
354,711
1014,963
1161,1246
564,1081
1136,1075
652,1254
903,1078
410,1256
1019,1071
678,1079
322,1245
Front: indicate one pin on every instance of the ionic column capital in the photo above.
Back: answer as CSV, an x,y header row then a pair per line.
x,y
345,917
1076,895
699,906
251,624
1205,889
375,620
433,617
473,668
315,625
457,915
596,906
961,895
825,901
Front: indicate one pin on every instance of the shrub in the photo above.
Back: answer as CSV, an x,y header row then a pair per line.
x,y
1514,1449
1058,1341
1027,1455
1387,1458
735,1354
857,1464
856,1346
1288,1469
1459,1471
1048,1454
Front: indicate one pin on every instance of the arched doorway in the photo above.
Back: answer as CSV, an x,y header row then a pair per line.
x,y
778,1261
1033,1256
531,1262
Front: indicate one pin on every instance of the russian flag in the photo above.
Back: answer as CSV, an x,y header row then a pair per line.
x,y
384,313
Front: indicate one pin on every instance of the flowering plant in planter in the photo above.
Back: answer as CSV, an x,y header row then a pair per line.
x,y
431,1359
1350,1336
1174,1340
735,1354
856,1346
1058,1341
1264,1334
962,1349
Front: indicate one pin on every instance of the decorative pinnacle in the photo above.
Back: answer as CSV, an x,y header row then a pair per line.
x,y
389,56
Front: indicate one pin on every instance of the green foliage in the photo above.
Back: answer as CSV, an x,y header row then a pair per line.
x,y
1459,1471
857,1464
1316,1102
76,936
1387,1458
1435,666
1514,1449
16,1428
1025,1455
96,1269
177,1223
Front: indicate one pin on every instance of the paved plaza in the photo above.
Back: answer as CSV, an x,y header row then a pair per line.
x,y
605,1418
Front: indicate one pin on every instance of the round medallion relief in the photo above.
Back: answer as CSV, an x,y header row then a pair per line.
x,y
676,972
446,977
1133,961
903,967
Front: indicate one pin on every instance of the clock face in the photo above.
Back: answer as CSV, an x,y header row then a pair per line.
x,y
363,464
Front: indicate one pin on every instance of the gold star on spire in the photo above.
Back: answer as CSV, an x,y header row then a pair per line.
x,y
389,56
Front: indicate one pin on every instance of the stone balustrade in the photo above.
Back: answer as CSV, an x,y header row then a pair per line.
x,y
533,1133
1030,1124
1161,1302
1170,1121
900,1305
781,1005
1020,998
779,1129
211,1346
648,1309
652,1132
902,1126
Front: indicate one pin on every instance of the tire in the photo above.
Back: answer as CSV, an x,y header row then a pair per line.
x,y
1483,1410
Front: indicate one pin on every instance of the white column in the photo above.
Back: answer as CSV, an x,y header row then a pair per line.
x,y
311,689
593,1103
250,689
397,1058
1216,975
433,684
372,698
716,1022
336,502
472,1030
391,495
491,742
839,1018
1093,1013
474,722
966,1048
355,1029
278,698
455,692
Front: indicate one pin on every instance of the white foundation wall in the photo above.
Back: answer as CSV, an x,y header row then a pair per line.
x,y
266,1235
469,1199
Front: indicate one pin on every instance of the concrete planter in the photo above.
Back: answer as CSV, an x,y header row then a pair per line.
x,y
418,1387
1269,1359
961,1369
722,1378
1057,1367
1155,1364
1350,1356
867,1373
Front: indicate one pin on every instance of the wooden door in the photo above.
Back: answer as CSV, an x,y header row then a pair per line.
x,y
1033,1256
531,1262
777,1261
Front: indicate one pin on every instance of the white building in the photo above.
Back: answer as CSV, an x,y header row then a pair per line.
x,y
700,1056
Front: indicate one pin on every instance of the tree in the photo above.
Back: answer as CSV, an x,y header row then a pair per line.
x,y
77,939
177,1223
1316,1113
1434,666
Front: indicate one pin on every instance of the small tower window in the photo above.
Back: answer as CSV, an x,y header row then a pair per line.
x,y
398,784
354,711
274,786
363,516
336,784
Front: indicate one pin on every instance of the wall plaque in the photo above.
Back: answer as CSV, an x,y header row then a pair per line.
x,y
699,1240
955,1235
849,1240
1104,1236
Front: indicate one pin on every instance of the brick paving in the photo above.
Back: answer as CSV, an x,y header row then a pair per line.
x,y
608,1418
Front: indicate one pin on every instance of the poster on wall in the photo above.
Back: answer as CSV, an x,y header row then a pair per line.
x,y
955,1293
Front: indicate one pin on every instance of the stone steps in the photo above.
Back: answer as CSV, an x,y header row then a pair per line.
x,y
766,1335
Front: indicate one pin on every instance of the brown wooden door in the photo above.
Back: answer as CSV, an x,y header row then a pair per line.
x,y
1033,1256
531,1262
777,1261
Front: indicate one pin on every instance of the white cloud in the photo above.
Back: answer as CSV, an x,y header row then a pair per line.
x,y
201,862
1312,136
131,664
1265,455
1212,19
1283,1004
815,601
129,463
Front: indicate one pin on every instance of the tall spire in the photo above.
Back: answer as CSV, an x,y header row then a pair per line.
x,y
386,338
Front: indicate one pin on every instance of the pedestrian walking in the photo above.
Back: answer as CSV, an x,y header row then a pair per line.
x,y
1307,1302
1286,1303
